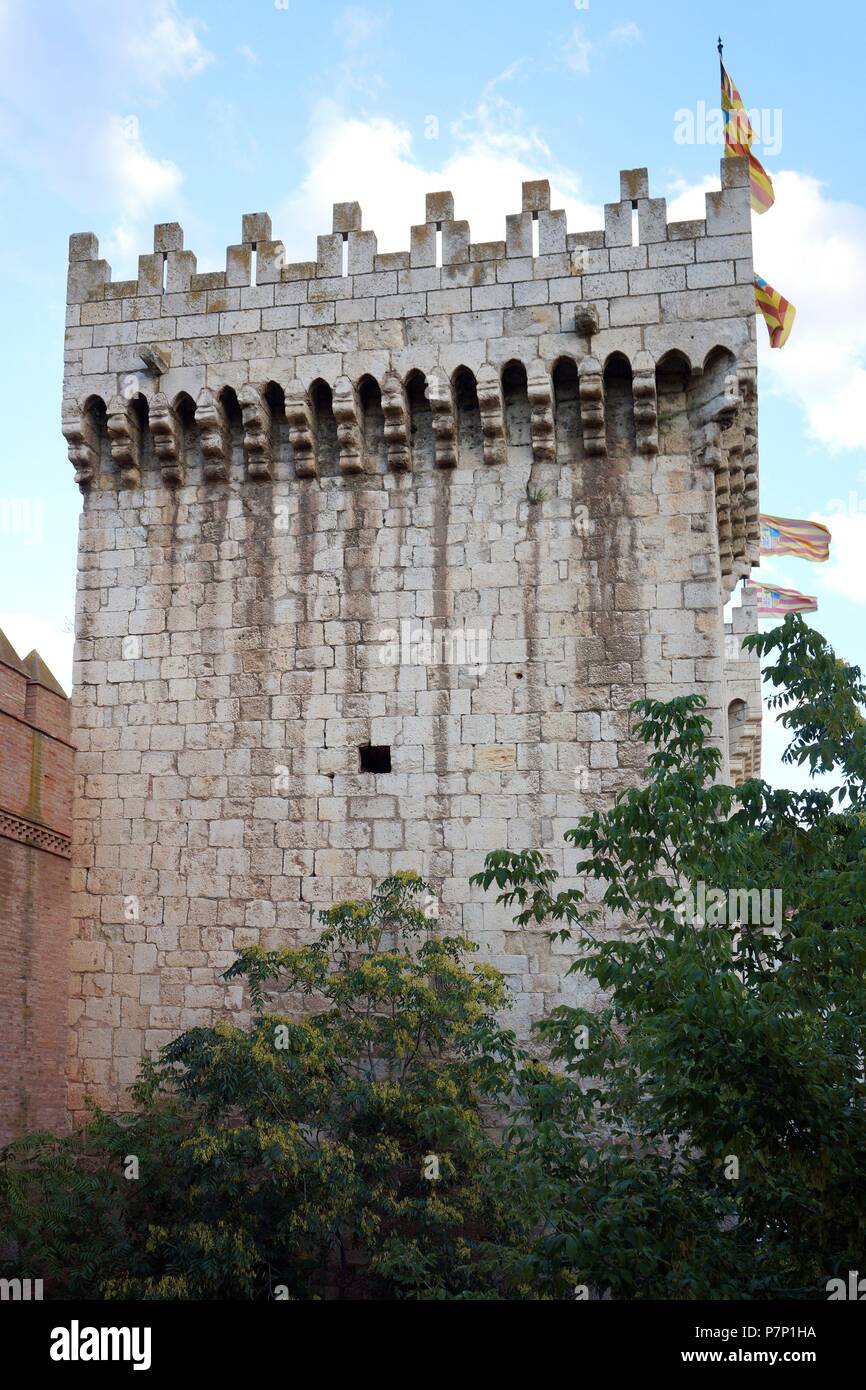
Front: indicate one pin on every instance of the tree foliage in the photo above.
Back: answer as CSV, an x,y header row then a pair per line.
x,y
698,1132
709,1139
333,1150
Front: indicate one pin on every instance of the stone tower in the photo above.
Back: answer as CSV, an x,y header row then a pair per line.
x,y
375,553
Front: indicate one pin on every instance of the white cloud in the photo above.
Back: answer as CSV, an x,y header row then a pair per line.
x,y
124,49
94,160
577,51
28,633
138,178
374,161
812,249
165,44
626,33
137,183
248,53
845,571
687,200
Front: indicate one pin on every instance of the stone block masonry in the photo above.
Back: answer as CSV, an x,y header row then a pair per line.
x,y
375,553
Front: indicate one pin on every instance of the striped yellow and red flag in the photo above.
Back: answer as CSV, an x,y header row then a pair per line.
x,y
738,141
774,602
778,313
785,535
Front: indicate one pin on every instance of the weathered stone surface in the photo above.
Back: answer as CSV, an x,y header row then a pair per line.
x,y
509,491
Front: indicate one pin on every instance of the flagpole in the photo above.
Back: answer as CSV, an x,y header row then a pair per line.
x,y
721,48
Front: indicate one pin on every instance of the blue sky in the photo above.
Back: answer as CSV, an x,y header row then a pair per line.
x,y
117,114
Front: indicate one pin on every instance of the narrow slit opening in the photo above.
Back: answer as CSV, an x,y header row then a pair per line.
x,y
439,245
635,225
345,253
536,235
253,258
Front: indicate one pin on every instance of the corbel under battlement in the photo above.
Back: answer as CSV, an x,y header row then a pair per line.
x,y
268,365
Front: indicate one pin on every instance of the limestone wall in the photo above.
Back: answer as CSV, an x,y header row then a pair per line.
x,y
743,692
458,505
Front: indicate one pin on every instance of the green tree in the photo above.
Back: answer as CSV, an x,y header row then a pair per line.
x,y
705,1134
377,1133
334,1150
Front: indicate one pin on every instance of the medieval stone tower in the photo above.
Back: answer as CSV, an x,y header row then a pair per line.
x,y
375,553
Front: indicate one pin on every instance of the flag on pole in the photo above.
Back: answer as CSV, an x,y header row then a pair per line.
x,y
775,602
738,141
778,313
783,535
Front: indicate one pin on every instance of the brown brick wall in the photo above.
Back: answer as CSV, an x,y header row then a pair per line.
x,y
34,893
35,819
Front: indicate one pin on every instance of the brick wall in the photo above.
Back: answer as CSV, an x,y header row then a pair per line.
x,y
35,824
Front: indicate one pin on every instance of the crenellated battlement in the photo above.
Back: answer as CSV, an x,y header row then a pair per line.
x,y
264,360
349,251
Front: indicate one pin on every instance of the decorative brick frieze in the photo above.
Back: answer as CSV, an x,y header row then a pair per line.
x,y
25,832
